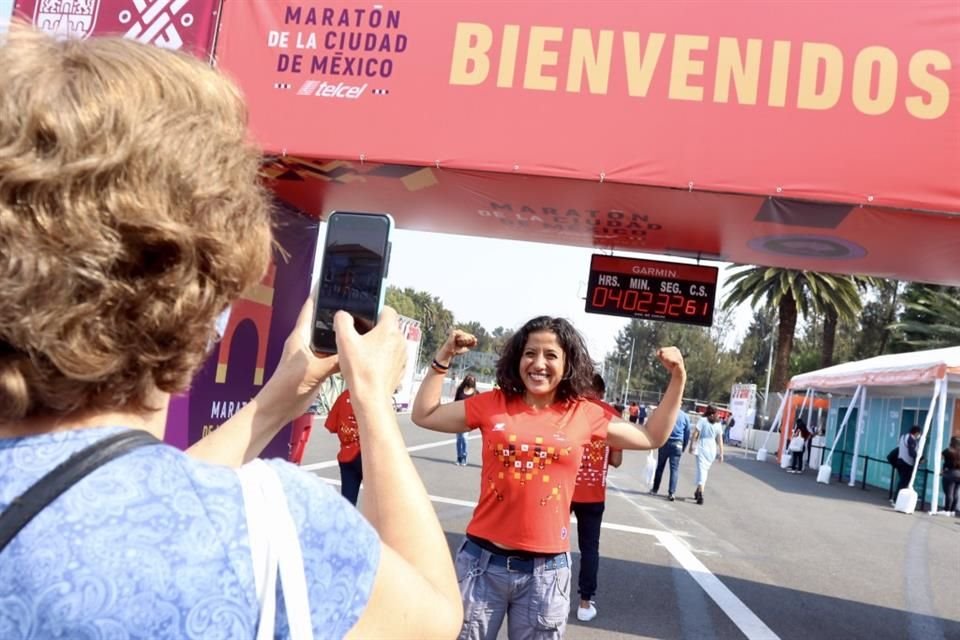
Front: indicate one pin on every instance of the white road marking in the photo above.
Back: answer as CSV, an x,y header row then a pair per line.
x,y
745,619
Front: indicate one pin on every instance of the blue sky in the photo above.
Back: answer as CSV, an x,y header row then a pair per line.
x,y
6,8
506,282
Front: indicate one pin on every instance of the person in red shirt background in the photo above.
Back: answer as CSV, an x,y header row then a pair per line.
x,y
589,501
515,561
343,422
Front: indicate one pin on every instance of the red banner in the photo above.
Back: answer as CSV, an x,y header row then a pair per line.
x,y
746,229
847,101
172,24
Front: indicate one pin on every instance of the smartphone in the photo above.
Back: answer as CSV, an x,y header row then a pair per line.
x,y
356,255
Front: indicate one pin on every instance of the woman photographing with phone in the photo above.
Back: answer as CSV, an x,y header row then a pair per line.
x,y
131,216
515,560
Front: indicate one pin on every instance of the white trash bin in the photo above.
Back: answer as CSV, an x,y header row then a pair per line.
x,y
824,473
906,501
761,455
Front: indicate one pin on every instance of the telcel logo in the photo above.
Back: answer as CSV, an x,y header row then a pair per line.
x,y
325,89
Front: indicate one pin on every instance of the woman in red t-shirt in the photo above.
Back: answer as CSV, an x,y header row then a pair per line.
x,y
515,559
343,422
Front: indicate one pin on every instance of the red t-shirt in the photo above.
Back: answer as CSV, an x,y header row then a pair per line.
x,y
592,477
343,422
530,463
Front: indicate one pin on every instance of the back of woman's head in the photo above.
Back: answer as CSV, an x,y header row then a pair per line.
x,y
578,368
130,217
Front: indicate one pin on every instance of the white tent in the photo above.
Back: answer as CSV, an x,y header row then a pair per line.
x,y
903,374
886,374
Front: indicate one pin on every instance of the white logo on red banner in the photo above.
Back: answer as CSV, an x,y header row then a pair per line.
x,y
149,21
66,18
156,22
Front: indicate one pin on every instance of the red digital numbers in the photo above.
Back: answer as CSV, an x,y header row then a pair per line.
x,y
648,303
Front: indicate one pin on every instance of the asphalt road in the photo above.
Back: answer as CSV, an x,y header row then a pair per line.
x,y
769,554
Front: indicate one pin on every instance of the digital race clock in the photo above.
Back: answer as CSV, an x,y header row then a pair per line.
x,y
651,290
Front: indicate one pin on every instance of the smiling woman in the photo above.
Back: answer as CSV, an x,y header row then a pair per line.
x,y
534,427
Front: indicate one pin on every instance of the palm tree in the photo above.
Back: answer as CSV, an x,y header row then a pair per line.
x,y
842,301
791,291
931,317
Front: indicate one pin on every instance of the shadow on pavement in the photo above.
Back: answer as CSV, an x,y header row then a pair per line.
x,y
806,482
656,601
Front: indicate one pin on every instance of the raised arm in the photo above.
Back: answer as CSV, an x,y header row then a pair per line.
x,y
286,395
427,411
415,592
624,435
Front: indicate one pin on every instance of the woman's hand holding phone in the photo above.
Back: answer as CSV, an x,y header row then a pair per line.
x,y
296,381
373,363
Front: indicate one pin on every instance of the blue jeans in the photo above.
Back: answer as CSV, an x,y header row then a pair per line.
x,y
589,518
536,605
462,447
351,475
672,452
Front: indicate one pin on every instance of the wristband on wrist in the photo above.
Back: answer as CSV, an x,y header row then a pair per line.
x,y
439,368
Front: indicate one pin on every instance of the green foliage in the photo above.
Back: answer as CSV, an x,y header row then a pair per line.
x,y
711,368
791,292
435,319
930,319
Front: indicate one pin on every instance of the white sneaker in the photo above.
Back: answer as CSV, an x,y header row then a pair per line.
x,y
588,614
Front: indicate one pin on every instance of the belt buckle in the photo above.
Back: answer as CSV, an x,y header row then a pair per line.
x,y
510,559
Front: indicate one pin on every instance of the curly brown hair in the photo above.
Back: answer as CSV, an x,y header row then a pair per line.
x,y
578,367
130,217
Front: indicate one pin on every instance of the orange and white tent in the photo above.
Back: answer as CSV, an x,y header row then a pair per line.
x,y
934,373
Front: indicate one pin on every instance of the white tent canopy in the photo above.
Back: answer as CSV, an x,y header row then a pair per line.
x,y
886,375
901,374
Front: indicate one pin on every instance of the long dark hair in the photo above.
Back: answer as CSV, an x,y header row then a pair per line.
x,y
578,368
469,382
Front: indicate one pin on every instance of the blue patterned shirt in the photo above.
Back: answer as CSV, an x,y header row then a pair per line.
x,y
154,545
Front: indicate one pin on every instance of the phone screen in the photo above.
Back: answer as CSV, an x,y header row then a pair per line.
x,y
352,274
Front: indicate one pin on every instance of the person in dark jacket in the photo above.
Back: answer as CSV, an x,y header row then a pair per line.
x,y
951,475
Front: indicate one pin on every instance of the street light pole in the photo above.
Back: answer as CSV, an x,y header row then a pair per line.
x,y
626,385
766,391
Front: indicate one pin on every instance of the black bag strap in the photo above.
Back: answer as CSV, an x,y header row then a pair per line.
x,y
69,472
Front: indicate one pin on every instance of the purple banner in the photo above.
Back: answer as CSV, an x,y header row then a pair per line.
x,y
253,340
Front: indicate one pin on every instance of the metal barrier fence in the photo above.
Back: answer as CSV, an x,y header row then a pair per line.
x,y
923,475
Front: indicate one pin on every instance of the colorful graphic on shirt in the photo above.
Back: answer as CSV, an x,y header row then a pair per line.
x,y
530,463
524,462
593,465
343,421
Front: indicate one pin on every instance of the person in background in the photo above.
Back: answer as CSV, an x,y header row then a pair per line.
x,y
642,414
708,441
466,389
589,501
634,412
907,456
951,476
131,215
795,447
342,422
727,428
514,561
671,452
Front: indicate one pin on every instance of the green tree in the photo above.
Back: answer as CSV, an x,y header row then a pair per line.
x,y
435,319
931,317
790,292
842,301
